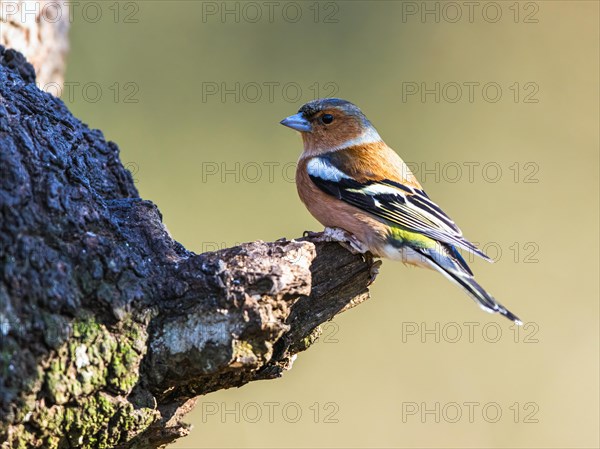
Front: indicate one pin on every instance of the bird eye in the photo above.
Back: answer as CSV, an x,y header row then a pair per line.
x,y
327,119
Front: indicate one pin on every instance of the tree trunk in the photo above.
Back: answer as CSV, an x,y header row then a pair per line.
x,y
109,328
39,30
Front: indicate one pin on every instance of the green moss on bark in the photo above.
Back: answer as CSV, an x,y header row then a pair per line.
x,y
84,392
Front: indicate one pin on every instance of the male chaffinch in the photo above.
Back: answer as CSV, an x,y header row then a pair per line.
x,y
349,179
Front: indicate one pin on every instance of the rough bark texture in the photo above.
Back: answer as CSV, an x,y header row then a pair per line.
x,y
108,327
39,30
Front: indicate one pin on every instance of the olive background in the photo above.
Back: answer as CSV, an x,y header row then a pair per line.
x,y
193,98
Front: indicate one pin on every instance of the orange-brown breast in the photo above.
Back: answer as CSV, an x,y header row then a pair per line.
x,y
332,212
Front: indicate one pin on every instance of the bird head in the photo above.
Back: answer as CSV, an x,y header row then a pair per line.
x,y
330,124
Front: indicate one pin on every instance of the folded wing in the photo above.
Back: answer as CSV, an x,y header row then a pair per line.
x,y
399,204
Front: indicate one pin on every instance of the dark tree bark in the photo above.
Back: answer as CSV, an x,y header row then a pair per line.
x,y
108,327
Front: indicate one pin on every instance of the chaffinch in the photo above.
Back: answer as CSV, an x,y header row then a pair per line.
x,y
349,179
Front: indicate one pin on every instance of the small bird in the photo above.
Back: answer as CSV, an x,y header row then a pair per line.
x,y
350,180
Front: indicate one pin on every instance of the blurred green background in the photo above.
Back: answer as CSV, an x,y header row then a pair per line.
x,y
514,161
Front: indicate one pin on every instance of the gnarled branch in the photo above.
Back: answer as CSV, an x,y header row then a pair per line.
x,y
108,327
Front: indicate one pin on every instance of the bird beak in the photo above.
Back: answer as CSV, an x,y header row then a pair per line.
x,y
297,122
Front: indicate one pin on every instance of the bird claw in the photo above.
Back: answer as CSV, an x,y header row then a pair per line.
x,y
374,271
318,236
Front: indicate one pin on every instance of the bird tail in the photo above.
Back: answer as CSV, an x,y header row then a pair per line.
x,y
453,268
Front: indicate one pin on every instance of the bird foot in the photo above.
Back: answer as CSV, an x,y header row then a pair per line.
x,y
341,236
351,243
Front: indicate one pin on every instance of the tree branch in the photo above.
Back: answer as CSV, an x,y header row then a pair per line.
x,y
108,327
